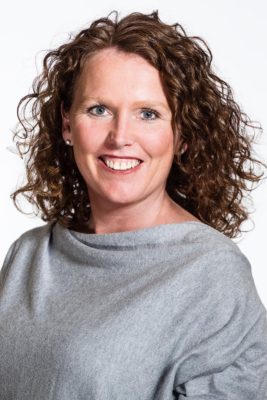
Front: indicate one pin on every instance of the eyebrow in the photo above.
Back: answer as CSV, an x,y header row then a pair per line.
x,y
145,102
151,104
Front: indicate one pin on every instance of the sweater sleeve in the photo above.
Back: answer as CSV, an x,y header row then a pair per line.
x,y
229,360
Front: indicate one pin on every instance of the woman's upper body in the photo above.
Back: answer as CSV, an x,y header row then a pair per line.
x,y
133,147
165,312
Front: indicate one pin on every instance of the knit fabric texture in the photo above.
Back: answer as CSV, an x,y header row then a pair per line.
x,y
160,313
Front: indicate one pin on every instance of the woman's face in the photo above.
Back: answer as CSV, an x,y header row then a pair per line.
x,y
119,117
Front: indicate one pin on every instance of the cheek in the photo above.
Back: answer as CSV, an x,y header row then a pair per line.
x,y
87,137
160,142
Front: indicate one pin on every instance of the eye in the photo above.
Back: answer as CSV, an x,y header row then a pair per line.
x,y
149,114
97,110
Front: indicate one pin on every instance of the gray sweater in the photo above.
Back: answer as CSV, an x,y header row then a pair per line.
x,y
161,313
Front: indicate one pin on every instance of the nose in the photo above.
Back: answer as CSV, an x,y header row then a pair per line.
x,y
121,131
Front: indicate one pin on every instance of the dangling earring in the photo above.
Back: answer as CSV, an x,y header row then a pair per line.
x,y
183,150
68,142
178,156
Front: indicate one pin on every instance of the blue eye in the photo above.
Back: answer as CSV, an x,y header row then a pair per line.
x,y
97,110
149,114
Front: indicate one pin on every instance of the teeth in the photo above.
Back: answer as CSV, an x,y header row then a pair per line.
x,y
122,165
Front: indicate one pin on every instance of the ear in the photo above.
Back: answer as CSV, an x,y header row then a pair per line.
x,y
66,131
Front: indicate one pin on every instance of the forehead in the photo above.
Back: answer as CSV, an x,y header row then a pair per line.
x,y
118,58
119,78
110,67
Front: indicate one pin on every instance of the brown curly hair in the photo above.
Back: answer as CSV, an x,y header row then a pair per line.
x,y
209,180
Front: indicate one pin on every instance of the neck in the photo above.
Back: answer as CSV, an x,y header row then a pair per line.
x,y
148,213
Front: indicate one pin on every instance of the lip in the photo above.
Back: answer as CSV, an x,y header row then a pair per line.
x,y
119,172
122,157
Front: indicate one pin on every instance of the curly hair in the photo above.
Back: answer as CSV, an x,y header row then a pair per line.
x,y
210,179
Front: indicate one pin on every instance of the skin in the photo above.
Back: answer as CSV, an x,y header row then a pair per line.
x,y
120,108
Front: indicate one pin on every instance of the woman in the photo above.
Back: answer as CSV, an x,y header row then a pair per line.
x,y
138,158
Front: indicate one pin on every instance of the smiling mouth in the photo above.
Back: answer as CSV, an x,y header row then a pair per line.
x,y
117,164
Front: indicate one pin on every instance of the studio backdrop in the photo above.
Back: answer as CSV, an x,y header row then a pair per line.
x,y
235,31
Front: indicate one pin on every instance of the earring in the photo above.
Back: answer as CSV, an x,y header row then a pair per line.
x,y
68,142
183,150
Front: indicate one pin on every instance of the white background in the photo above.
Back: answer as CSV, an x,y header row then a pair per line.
x,y
236,31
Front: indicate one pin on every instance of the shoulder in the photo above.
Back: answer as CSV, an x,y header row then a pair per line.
x,y
33,236
217,261
207,241
28,242
224,271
